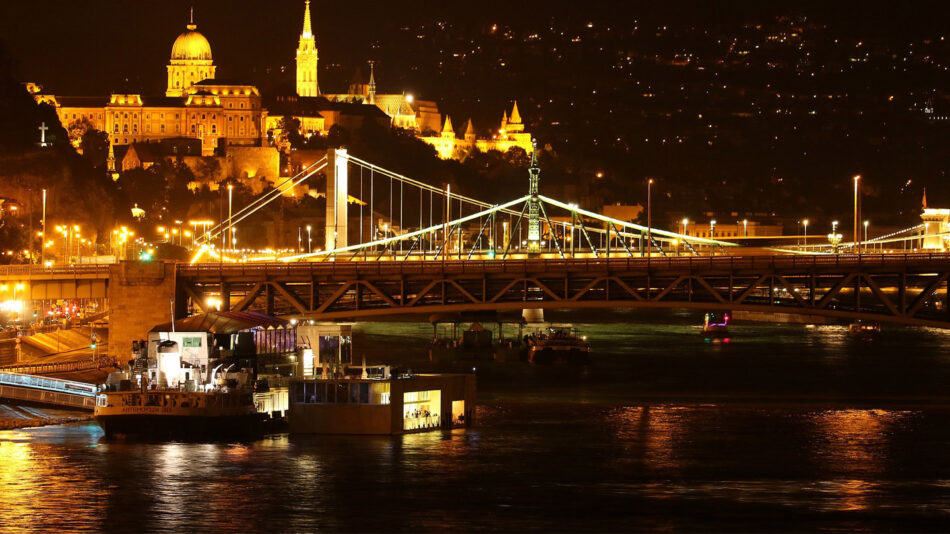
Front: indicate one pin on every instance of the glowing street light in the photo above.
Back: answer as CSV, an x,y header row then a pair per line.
x,y
649,216
866,223
805,222
309,241
230,196
857,236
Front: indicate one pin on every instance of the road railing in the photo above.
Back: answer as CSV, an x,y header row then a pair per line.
x,y
303,270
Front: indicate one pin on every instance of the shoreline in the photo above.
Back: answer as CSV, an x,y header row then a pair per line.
x,y
12,423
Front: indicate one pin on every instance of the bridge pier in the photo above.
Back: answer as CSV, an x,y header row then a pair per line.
x,y
337,195
140,297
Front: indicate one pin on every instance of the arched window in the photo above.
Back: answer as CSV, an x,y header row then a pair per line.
x,y
125,128
192,128
214,128
115,129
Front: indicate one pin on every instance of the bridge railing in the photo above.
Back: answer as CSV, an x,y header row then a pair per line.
x,y
305,270
48,384
100,362
65,271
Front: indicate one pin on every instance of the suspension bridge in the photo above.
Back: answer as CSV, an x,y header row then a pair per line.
x,y
398,246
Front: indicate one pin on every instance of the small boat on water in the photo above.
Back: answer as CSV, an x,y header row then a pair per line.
x,y
864,329
557,345
176,398
716,325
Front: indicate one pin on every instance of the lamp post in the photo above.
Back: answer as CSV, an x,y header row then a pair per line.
x,y
857,235
685,221
649,216
805,222
866,223
43,243
230,229
745,227
309,240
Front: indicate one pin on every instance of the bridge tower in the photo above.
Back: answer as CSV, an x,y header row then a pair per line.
x,y
337,196
534,220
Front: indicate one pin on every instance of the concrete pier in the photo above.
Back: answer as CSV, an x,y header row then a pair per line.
x,y
140,297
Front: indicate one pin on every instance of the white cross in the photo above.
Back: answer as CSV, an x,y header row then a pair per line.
x,y
42,130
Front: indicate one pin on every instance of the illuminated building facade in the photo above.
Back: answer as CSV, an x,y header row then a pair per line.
x,y
511,133
190,60
307,58
195,105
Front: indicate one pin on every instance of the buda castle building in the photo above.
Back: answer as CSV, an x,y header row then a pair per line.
x,y
218,113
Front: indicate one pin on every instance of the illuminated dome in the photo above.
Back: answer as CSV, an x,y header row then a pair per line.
x,y
191,45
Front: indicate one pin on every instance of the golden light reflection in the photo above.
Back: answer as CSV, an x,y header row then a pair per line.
x,y
853,442
649,434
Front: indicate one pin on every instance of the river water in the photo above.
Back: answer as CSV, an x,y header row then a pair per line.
x,y
783,428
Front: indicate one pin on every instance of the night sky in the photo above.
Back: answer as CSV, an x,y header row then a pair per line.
x,y
91,47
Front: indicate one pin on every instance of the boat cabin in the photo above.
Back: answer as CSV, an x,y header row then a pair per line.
x,y
381,401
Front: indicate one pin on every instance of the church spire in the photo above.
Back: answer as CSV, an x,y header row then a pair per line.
x,y
307,31
372,83
307,59
447,128
470,130
515,116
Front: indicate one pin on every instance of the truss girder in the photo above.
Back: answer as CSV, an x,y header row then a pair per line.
x,y
907,293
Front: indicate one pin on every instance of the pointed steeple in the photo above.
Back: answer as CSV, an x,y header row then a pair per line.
x,y
371,97
925,199
307,31
504,119
447,128
307,59
515,116
469,131
514,121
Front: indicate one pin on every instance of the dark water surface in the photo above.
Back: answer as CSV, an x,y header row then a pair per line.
x,y
783,428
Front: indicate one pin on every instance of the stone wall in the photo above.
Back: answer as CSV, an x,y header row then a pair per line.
x,y
140,295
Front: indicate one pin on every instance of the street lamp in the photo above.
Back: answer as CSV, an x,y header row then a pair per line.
x,y
712,228
805,222
745,227
649,217
685,221
309,240
866,223
857,236
230,230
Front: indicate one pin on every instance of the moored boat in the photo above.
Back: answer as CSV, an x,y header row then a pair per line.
x,y
172,399
716,325
864,329
557,345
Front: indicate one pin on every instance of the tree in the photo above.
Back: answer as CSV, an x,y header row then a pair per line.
x,y
77,129
94,146
289,136
338,136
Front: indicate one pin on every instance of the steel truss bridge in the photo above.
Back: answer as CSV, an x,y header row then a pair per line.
x,y
906,289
